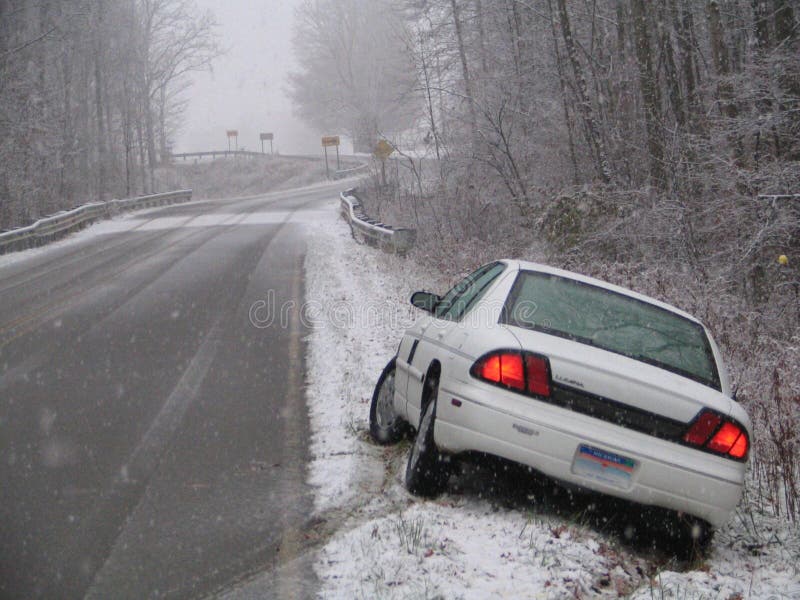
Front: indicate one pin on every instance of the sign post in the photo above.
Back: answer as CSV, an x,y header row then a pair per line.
x,y
383,150
233,134
266,136
330,140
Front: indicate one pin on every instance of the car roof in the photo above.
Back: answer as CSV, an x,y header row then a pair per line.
x,y
523,265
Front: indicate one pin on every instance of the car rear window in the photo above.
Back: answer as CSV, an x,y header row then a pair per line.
x,y
611,321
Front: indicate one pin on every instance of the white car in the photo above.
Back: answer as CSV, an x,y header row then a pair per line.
x,y
586,382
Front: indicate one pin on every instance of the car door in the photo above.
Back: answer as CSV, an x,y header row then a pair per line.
x,y
404,369
440,334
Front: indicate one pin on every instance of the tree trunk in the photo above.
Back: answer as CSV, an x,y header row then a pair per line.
x,y
563,86
785,26
429,100
602,166
67,148
102,152
761,24
670,69
721,58
162,122
650,92
686,49
462,53
84,175
479,16
142,155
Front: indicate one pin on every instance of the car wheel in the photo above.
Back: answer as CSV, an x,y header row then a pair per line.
x,y
426,474
385,426
697,537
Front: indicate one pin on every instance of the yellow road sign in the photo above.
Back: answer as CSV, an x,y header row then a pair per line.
x,y
383,149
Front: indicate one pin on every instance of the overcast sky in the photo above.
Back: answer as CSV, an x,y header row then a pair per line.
x,y
246,90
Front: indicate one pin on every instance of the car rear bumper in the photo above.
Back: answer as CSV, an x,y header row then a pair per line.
x,y
557,442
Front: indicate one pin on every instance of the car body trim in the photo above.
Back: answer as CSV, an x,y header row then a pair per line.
x,y
616,412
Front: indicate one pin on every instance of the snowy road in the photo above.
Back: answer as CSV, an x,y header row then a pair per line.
x,y
153,440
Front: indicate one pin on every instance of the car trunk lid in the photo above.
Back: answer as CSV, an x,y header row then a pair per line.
x,y
615,387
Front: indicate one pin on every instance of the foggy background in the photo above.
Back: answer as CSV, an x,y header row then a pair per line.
x,y
245,90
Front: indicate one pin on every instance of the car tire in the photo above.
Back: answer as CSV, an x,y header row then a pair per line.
x,y
697,538
385,425
426,473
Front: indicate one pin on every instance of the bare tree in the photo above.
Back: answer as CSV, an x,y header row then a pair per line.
x,y
83,84
355,74
603,167
650,91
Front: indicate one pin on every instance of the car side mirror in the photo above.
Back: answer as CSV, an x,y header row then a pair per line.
x,y
427,301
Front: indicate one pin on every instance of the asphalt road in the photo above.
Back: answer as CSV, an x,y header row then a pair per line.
x,y
153,441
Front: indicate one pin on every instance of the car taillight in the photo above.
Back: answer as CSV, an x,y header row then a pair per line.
x,y
520,371
717,434
538,371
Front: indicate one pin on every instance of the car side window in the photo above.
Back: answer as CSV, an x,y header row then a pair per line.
x,y
471,290
450,297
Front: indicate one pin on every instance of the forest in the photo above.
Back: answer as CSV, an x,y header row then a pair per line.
x,y
91,93
652,144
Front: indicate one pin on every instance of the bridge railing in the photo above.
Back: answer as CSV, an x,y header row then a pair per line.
x,y
397,240
214,154
221,153
62,223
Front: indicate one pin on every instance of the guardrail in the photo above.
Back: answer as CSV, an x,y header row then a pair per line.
x,y
223,153
339,174
61,223
398,240
344,173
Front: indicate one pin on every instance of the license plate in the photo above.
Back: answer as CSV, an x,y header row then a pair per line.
x,y
604,466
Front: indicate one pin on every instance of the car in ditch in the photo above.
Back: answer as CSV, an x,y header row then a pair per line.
x,y
589,383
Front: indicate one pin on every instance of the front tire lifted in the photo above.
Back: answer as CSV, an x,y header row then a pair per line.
x,y
426,471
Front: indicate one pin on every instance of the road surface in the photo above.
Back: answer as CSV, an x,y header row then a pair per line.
x,y
153,441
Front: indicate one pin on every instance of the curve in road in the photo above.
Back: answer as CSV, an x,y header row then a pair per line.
x,y
153,441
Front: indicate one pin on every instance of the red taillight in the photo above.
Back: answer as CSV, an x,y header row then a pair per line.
x,y
489,368
702,428
713,432
538,373
512,373
725,438
516,370
740,447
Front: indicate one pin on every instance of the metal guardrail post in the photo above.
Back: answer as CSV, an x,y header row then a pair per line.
x,y
396,240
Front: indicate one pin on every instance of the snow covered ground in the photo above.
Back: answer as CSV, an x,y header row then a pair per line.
x,y
390,544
